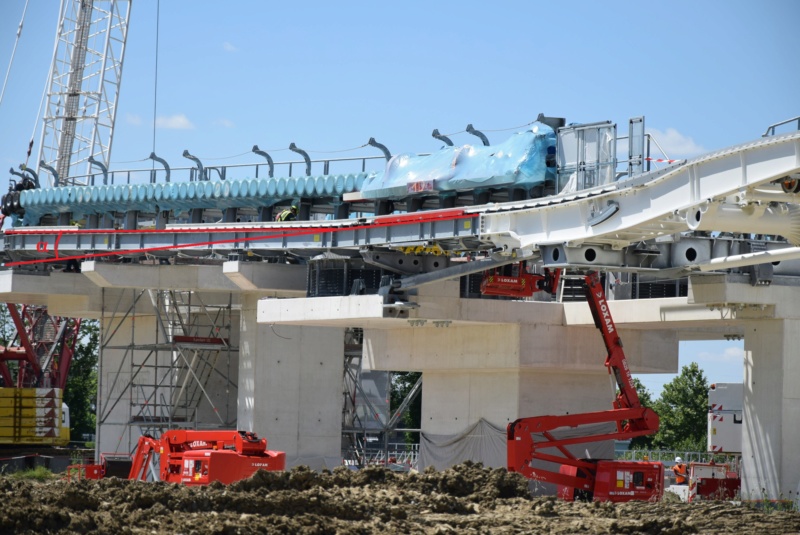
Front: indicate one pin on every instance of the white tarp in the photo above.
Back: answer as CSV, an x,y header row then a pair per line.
x,y
482,442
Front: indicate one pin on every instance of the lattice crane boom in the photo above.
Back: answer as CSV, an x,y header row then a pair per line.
x,y
83,88
42,349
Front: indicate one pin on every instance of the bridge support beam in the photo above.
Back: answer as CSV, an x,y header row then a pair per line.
x,y
498,373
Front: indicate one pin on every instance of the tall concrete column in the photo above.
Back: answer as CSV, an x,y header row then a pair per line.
x,y
290,388
248,343
771,416
771,419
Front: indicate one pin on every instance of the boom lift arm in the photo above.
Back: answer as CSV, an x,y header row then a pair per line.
x,y
628,415
145,449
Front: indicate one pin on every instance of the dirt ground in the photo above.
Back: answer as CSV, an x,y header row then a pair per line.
x,y
465,499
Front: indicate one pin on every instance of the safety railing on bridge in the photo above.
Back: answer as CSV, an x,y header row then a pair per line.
x,y
771,129
289,168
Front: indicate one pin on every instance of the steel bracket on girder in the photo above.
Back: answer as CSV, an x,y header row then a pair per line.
x,y
405,264
581,255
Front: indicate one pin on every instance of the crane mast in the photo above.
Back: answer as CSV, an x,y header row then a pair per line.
x,y
82,93
83,89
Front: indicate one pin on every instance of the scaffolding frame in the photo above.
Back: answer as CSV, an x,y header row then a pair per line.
x,y
356,450
165,383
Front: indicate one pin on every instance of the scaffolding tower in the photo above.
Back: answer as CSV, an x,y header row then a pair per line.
x,y
185,375
168,383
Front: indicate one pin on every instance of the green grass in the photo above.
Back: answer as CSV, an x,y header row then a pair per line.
x,y
40,473
773,505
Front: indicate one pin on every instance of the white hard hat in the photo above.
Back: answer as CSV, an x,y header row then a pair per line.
x,y
677,459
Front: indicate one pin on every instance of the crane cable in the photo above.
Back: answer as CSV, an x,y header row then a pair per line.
x,y
8,72
155,83
14,51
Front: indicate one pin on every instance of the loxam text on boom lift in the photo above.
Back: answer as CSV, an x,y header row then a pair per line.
x,y
541,439
191,458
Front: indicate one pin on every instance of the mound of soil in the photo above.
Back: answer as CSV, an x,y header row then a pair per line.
x,y
465,499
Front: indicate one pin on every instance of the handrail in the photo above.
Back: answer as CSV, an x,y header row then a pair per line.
x,y
127,176
771,128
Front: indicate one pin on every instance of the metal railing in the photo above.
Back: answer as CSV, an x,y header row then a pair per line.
x,y
287,168
399,456
650,161
668,456
771,128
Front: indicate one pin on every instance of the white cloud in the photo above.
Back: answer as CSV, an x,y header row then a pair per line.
x,y
730,354
675,144
174,122
227,47
734,353
225,123
133,119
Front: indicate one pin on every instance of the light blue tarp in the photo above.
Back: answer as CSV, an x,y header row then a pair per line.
x,y
518,162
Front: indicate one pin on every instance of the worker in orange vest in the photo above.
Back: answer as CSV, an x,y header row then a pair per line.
x,y
680,471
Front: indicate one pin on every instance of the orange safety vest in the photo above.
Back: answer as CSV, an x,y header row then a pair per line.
x,y
680,473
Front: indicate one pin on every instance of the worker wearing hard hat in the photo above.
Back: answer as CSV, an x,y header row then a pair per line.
x,y
288,215
679,469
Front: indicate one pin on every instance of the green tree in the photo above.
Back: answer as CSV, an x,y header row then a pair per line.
x,y
646,399
80,394
683,410
402,383
7,328
7,333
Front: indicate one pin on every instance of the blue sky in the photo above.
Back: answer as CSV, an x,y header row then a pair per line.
x,y
330,75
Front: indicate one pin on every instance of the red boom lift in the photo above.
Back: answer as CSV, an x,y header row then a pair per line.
x,y
191,458
538,438
520,285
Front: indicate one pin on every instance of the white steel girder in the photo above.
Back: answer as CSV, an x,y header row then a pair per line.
x,y
649,206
